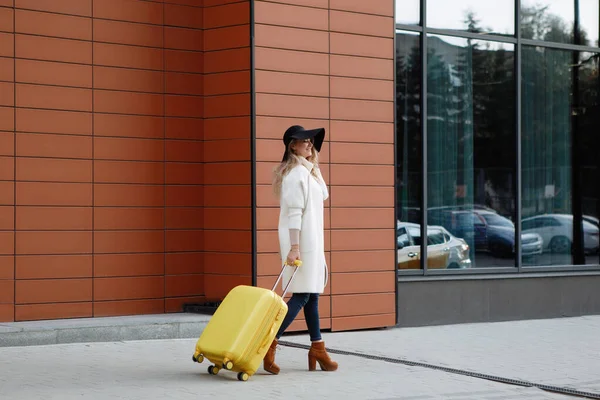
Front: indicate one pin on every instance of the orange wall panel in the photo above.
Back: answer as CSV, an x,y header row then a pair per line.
x,y
51,121
52,49
144,241
129,288
289,15
289,83
128,33
7,267
227,60
361,67
227,150
308,3
379,7
53,97
129,195
184,218
179,15
53,218
53,194
183,128
128,172
115,218
184,195
129,10
364,24
128,307
53,291
53,242
32,312
227,263
183,61
227,128
73,7
184,285
55,25
272,59
227,38
116,55
53,146
291,38
7,168
118,265
184,83
7,243
362,260
53,267
7,143
363,322
365,46
184,240
227,196
53,73
236,13
184,263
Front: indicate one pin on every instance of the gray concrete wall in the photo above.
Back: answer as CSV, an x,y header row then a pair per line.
x,y
452,300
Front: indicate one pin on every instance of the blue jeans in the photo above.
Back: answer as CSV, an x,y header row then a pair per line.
x,y
310,303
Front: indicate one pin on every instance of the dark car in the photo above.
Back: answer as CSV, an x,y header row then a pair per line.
x,y
501,236
487,230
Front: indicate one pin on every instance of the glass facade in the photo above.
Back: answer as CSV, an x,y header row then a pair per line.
x,y
497,136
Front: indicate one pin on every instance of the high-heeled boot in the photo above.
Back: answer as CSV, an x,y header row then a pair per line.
x,y
269,360
317,353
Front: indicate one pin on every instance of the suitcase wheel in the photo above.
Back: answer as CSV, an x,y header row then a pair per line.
x,y
198,359
228,365
242,376
213,369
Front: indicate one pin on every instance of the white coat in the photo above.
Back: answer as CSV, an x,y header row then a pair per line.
x,y
300,187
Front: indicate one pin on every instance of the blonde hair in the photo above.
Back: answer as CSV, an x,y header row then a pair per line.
x,y
280,171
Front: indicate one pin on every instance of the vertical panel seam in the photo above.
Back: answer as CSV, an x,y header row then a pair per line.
x,y
93,168
395,169
14,162
253,144
164,96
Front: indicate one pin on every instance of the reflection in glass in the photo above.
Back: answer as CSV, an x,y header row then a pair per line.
x,y
444,250
477,16
408,133
557,20
408,12
560,110
586,125
471,145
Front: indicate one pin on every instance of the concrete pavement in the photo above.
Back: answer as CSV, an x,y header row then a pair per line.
x,y
560,352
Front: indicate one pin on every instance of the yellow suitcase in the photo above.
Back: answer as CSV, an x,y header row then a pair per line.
x,y
242,328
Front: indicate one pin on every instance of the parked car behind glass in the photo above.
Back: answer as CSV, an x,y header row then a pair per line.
x,y
557,232
443,249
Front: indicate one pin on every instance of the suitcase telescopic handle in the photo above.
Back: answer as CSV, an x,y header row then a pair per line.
x,y
297,264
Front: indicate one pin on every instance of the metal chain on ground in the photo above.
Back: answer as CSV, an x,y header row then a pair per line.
x,y
516,382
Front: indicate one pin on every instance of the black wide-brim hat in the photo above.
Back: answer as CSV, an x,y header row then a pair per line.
x,y
299,133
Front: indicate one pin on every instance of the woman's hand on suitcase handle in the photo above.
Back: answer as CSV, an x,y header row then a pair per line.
x,y
293,255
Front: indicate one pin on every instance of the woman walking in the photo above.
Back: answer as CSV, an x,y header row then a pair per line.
x,y
302,190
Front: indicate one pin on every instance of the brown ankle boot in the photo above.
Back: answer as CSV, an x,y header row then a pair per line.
x,y
318,353
269,360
